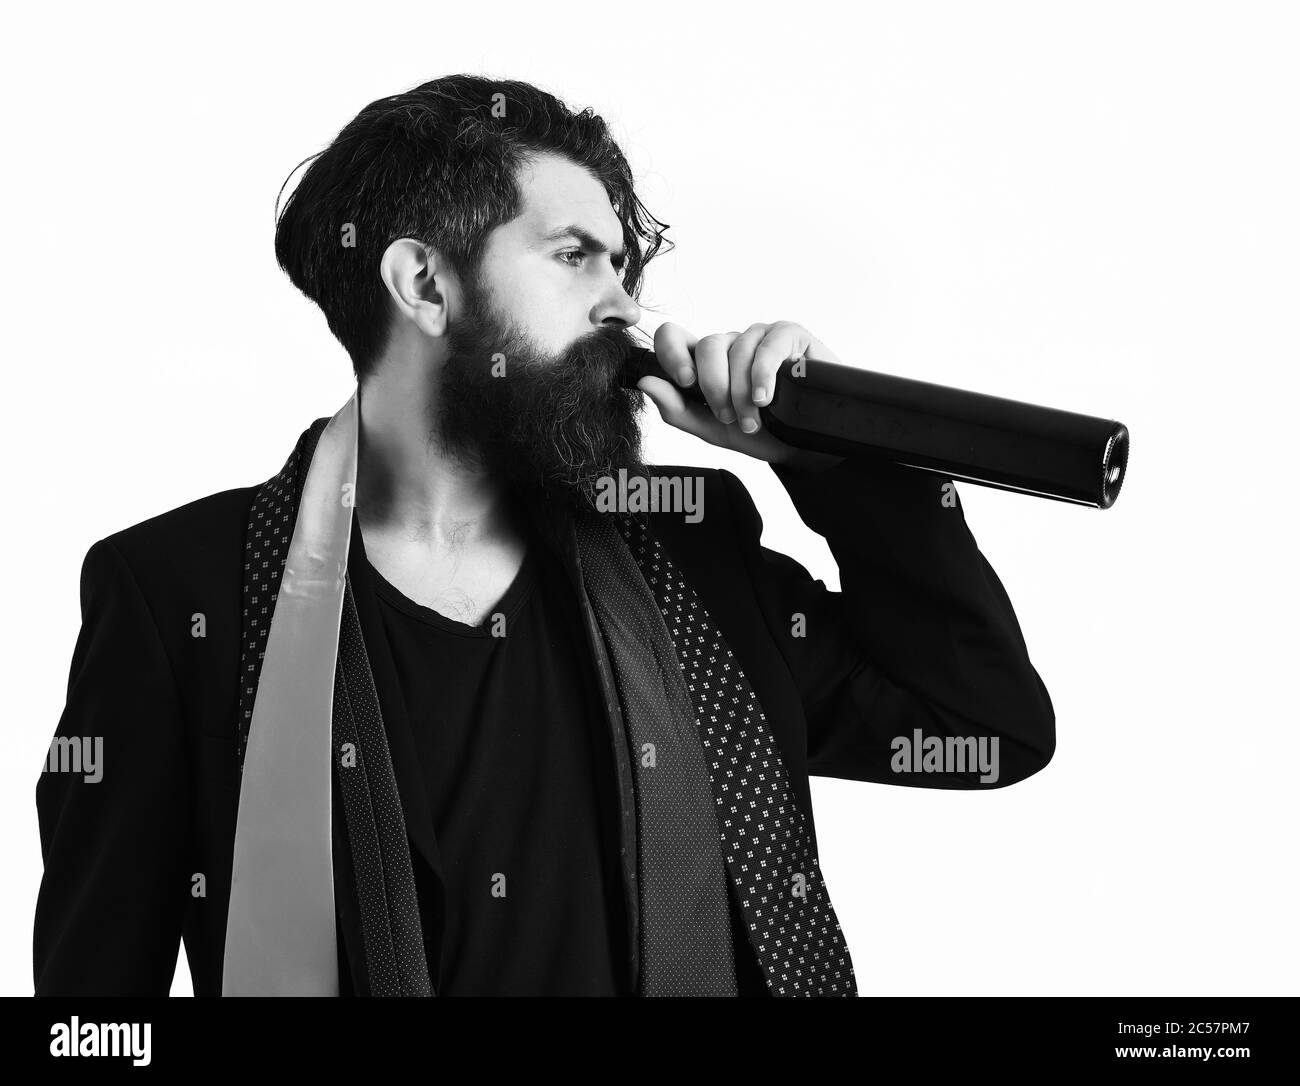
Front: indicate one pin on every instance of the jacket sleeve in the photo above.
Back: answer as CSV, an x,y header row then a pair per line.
x,y
920,643
114,837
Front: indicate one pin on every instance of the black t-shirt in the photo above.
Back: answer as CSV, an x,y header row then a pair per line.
x,y
514,752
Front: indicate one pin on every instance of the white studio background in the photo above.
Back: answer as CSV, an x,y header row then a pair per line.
x,y
1088,205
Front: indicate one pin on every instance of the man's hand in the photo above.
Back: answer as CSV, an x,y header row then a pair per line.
x,y
736,372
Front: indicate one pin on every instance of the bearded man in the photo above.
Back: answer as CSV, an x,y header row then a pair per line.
x,y
420,715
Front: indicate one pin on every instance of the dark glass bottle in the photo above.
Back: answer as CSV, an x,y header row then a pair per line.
x,y
988,440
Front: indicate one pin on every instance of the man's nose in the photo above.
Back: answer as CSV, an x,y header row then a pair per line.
x,y
617,306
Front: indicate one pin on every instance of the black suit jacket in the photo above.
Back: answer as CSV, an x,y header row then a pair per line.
x,y
920,636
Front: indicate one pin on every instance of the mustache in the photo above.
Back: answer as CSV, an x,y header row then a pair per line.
x,y
611,351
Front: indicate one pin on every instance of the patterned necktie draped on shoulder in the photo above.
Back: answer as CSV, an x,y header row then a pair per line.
x,y
713,798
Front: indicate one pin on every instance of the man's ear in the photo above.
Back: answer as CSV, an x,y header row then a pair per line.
x,y
417,279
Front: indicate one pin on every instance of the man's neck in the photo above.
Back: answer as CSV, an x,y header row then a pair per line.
x,y
408,488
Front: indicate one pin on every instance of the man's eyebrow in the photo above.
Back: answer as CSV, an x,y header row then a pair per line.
x,y
589,241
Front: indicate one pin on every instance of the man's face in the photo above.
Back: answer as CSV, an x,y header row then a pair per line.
x,y
556,268
532,385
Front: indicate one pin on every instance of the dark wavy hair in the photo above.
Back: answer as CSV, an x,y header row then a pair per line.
x,y
436,164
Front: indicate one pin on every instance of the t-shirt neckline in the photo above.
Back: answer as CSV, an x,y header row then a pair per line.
x,y
509,604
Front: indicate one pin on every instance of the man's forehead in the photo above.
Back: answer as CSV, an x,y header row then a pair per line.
x,y
558,194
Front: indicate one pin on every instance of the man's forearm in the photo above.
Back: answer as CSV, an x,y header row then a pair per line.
x,y
923,605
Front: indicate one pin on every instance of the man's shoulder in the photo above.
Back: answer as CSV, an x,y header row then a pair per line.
x,y
191,524
695,503
191,546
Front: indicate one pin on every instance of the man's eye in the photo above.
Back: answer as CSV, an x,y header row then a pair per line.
x,y
578,253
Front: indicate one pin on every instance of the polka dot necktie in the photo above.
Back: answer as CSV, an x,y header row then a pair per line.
x,y
686,946
768,849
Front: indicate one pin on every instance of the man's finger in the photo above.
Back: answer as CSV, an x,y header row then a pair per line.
x,y
714,373
673,347
740,357
782,342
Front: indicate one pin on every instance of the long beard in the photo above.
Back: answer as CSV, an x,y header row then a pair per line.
x,y
549,426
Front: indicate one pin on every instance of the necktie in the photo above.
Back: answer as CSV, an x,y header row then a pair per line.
x,y
390,914
686,941
259,957
769,851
